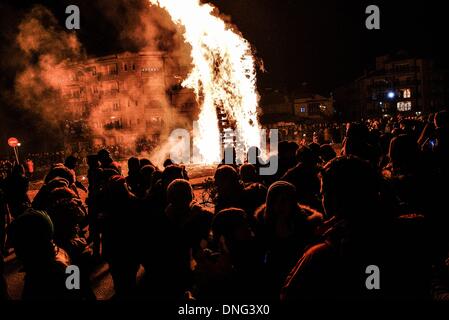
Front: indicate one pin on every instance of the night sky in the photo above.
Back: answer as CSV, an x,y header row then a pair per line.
x,y
321,42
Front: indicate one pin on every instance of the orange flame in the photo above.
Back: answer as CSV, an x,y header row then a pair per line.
x,y
223,76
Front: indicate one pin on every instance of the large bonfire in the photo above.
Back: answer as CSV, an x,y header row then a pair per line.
x,y
223,76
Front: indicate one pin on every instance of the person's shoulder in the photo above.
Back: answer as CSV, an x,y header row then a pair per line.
x,y
260,213
311,215
201,212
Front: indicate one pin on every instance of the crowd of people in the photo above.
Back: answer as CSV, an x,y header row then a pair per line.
x,y
308,232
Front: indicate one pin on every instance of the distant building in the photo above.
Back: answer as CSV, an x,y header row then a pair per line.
x,y
125,97
398,84
289,112
297,107
313,106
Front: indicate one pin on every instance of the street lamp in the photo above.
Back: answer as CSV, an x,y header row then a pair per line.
x,y
391,94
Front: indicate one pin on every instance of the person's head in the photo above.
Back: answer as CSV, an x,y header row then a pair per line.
x,y
71,162
60,171
92,161
404,151
292,148
306,156
171,173
133,166
65,208
145,162
180,193
117,190
350,189
231,231
226,179
283,149
315,148
357,131
255,196
168,162
442,120
146,173
327,153
31,235
248,172
57,182
104,157
281,201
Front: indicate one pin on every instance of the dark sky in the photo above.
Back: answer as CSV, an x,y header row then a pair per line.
x,y
322,42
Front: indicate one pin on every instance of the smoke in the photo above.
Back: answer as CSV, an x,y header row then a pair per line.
x,y
46,51
47,56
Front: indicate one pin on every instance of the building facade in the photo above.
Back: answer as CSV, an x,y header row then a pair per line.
x,y
126,98
398,84
296,107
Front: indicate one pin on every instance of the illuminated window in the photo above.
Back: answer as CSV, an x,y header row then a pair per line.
x,y
406,93
149,69
404,106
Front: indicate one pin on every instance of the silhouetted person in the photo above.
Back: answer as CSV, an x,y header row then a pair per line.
x,y
168,162
304,176
146,175
229,188
3,212
133,178
182,231
145,162
362,235
93,201
284,229
58,176
106,161
248,174
404,172
357,143
15,188
69,218
254,196
287,157
233,269
119,236
44,263
157,197
71,162
327,153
